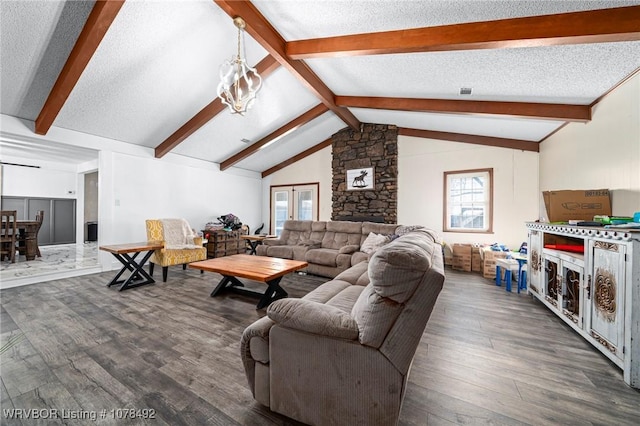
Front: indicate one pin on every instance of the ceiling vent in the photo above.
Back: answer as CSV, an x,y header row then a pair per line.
x,y
245,140
465,90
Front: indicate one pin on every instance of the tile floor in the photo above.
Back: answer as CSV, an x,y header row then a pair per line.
x,y
68,259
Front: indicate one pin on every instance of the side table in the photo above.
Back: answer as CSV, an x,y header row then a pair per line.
x,y
255,240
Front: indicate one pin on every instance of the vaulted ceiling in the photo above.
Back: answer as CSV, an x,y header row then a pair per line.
x,y
146,72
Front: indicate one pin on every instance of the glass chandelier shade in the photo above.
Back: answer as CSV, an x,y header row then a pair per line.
x,y
239,83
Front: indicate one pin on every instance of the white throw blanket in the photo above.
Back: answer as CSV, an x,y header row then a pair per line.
x,y
178,234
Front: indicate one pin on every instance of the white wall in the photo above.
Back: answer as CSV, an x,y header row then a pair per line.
x,y
421,163
51,180
603,153
311,169
133,186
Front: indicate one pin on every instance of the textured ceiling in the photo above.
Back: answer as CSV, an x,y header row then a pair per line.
x,y
157,67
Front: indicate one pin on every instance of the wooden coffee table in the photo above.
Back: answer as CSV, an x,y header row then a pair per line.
x,y
268,270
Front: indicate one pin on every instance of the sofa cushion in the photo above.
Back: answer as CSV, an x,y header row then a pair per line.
x,y
378,228
313,317
283,252
348,249
346,298
397,268
375,316
353,275
322,256
395,271
339,234
373,242
326,291
310,243
359,257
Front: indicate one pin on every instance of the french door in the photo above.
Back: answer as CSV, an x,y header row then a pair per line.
x,y
297,202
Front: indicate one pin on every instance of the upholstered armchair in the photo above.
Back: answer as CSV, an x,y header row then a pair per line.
x,y
181,245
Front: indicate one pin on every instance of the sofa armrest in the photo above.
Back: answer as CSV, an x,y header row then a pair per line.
x,y
349,249
273,242
313,317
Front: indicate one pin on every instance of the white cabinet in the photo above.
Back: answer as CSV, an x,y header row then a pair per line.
x,y
590,277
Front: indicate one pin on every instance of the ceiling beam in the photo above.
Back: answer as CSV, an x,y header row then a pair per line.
x,y
263,32
100,19
293,125
264,68
592,26
563,112
298,157
472,139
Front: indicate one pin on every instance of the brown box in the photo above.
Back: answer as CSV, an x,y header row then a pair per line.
x,y
476,260
489,261
563,206
462,257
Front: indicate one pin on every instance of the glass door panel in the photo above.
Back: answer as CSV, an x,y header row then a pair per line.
x,y
281,209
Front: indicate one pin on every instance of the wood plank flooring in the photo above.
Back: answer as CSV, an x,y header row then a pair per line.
x,y
487,356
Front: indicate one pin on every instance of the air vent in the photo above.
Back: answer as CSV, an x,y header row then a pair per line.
x,y
245,140
465,90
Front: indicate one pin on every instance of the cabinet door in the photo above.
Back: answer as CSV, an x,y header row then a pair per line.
x,y
64,221
534,262
572,292
606,295
552,287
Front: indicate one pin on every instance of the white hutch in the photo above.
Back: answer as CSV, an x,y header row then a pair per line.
x,y
595,290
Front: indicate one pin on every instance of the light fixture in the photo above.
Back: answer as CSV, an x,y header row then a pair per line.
x,y
239,83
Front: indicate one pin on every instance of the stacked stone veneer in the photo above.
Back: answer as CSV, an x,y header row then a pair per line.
x,y
376,145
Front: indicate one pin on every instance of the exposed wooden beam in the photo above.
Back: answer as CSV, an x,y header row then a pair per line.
x,y
100,19
593,26
264,33
564,112
293,125
298,157
264,68
472,139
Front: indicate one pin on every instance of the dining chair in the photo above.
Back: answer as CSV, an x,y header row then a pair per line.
x,y
8,235
21,237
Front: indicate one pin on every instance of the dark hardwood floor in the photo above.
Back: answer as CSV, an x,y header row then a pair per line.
x,y
487,357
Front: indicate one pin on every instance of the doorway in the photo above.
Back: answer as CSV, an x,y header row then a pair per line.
x,y
293,202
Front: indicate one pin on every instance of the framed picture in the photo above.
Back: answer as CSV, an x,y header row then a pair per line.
x,y
360,179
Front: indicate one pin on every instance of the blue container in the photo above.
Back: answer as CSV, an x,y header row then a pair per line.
x,y
636,217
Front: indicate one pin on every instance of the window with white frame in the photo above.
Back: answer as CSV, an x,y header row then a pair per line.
x,y
468,200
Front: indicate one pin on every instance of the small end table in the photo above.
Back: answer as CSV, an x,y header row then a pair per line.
x,y
138,275
255,240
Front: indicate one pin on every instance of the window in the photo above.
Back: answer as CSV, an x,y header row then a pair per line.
x,y
468,201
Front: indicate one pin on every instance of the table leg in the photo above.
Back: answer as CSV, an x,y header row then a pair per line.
x,y
254,245
274,292
137,272
226,279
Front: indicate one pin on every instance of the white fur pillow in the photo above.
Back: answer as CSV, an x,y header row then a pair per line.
x,y
373,242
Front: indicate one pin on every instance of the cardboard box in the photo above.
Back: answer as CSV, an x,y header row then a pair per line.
x,y
563,206
489,261
462,257
476,260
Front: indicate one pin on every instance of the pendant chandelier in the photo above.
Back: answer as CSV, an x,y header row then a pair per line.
x,y
239,83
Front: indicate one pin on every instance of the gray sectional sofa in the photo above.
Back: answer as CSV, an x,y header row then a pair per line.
x,y
329,247
342,354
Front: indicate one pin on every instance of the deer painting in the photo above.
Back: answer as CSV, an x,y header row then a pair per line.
x,y
358,181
